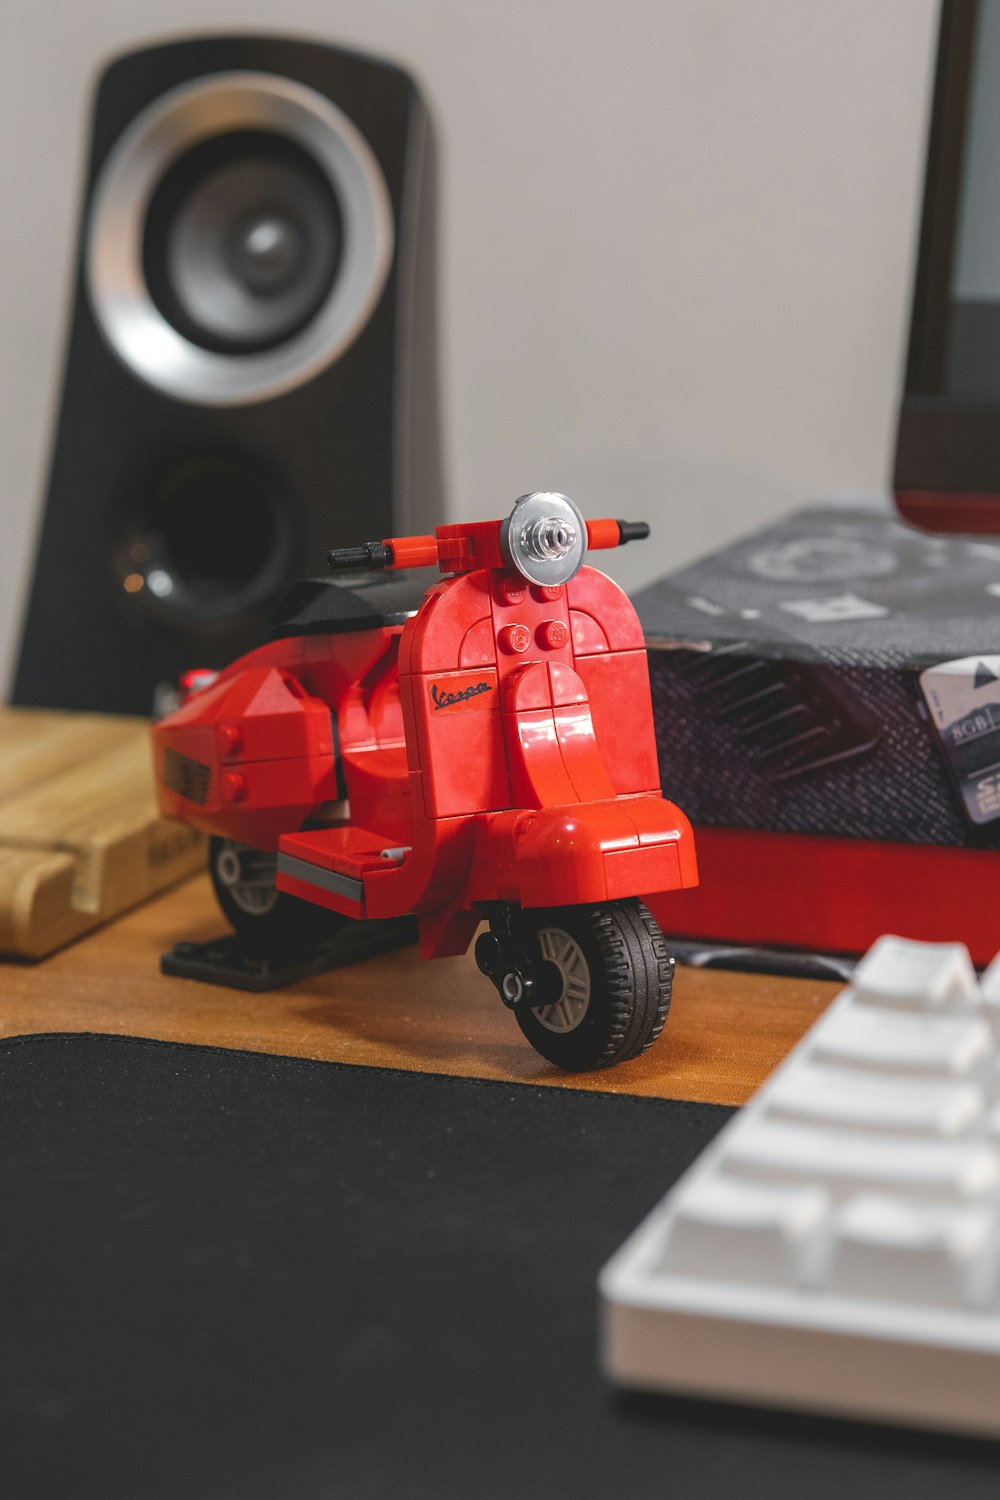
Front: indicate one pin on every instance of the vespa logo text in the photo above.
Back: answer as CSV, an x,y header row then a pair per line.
x,y
462,695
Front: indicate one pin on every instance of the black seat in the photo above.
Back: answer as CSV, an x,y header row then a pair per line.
x,y
331,606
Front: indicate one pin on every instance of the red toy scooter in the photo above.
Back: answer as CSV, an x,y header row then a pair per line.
x,y
488,755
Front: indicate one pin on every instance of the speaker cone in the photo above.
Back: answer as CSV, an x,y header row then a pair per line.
x,y
240,237
242,242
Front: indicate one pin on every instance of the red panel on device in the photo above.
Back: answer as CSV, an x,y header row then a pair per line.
x,y
835,895
951,510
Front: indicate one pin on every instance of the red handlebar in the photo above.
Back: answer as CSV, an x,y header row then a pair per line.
x,y
458,548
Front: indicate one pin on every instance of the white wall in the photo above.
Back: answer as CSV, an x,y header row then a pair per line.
x,y
677,241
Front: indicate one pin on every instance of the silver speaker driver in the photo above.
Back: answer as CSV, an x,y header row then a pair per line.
x,y
272,266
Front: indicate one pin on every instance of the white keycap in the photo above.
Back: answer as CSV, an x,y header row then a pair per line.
x,y
844,1159
989,987
872,1101
837,1247
924,1253
939,1046
989,981
759,1232
917,976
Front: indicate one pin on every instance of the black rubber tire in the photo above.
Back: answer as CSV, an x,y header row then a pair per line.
x,y
288,924
631,975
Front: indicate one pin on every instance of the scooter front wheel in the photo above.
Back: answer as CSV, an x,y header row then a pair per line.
x,y
606,976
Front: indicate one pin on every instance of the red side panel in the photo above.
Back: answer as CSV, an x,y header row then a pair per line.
x,y
246,758
455,740
450,695
432,639
617,686
598,599
611,659
835,895
552,752
343,850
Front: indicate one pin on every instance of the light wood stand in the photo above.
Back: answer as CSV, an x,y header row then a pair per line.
x,y
80,839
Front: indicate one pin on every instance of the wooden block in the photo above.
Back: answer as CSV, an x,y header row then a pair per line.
x,y
80,838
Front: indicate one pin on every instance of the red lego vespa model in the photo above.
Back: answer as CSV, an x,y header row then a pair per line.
x,y
488,756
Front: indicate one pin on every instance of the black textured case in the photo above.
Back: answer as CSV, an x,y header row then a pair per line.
x,y
787,674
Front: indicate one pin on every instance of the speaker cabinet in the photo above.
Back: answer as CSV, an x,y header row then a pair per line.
x,y
250,376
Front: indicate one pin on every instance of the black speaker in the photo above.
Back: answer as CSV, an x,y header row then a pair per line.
x,y
250,376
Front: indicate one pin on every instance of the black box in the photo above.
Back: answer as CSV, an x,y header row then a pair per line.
x,y
836,674
826,694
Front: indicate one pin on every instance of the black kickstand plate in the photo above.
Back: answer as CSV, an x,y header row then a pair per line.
x,y
230,961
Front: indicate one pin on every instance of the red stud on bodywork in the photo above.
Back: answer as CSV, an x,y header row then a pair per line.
x,y
489,756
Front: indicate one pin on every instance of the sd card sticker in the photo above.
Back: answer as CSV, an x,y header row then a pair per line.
x,y
963,698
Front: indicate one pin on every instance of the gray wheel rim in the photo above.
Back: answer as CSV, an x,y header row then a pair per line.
x,y
565,1013
248,876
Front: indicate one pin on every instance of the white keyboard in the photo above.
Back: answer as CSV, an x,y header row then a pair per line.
x,y
837,1247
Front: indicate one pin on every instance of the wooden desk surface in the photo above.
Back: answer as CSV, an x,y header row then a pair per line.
x,y
726,1031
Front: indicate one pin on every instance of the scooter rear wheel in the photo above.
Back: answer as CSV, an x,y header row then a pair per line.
x,y
269,920
607,976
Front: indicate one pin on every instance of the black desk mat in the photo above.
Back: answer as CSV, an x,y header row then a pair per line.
x,y
231,1275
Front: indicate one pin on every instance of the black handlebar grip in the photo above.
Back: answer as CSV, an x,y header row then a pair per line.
x,y
632,531
368,555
